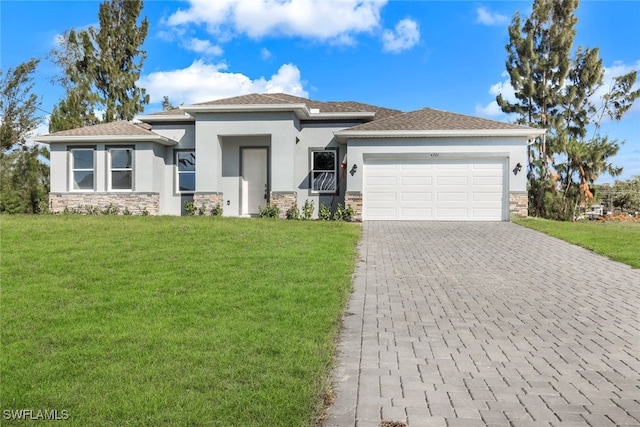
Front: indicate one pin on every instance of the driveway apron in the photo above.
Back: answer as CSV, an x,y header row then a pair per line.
x,y
465,324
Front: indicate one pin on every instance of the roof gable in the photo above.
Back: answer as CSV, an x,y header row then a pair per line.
x,y
120,131
281,101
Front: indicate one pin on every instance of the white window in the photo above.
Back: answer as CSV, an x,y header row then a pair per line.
x,y
121,168
186,169
82,169
324,171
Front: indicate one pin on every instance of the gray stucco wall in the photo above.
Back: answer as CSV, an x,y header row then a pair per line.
x,y
171,202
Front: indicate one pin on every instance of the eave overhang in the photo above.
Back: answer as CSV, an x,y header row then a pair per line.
x,y
114,139
300,110
159,118
464,133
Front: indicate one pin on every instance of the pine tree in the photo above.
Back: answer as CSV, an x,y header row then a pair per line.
x,y
18,105
101,68
556,91
538,63
119,58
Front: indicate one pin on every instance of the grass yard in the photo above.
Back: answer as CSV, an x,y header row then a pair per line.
x,y
166,321
619,241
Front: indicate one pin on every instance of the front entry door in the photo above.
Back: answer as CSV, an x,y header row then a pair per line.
x,y
254,180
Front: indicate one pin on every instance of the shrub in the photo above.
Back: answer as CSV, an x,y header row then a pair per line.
x,y
343,214
190,208
216,210
307,210
269,211
324,212
293,212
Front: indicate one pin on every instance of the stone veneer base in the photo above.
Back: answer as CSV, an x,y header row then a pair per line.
x,y
136,203
519,204
209,200
283,200
354,200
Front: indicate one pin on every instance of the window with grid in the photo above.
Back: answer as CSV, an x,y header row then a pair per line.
x,y
324,171
121,168
186,170
82,169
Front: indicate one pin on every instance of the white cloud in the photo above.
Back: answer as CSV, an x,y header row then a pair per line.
x,y
202,82
316,19
265,54
492,109
486,17
616,70
405,35
204,47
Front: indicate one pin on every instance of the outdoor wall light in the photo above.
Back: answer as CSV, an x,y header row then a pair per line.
x,y
354,169
517,169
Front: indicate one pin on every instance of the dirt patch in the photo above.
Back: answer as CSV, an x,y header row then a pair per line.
x,y
618,217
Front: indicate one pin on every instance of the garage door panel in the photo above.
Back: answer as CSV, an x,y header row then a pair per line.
x,y
487,180
452,197
442,189
390,196
416,213
416,180
453,213
416,165
452,180
487,197
416,196
382,180
448,165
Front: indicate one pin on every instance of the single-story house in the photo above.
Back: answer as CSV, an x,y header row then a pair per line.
x,y
245,152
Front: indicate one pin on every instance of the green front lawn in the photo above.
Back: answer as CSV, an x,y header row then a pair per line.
x,y
171,321
619,241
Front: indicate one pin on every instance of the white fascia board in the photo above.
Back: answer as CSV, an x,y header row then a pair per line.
x,y
166,118
299,109
105,138
344,115
532,133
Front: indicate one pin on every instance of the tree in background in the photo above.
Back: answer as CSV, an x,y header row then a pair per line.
x,y
24,177
101,67
166,104
556,91
18,105
24,180
624,195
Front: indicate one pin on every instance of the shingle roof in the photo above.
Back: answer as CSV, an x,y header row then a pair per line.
x,y
428,119
381,112
251,99
323,107
172,112
121,127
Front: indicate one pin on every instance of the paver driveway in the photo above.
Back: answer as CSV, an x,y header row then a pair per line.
x,y
464,324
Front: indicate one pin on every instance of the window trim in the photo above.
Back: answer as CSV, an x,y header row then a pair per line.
x,y
178,172
335,152
110,169
73,169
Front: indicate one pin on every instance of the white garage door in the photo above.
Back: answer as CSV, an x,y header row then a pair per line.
x,y
454,190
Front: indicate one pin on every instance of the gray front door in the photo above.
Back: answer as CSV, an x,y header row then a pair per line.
x,y
254,180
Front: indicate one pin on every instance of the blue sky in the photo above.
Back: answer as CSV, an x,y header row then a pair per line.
x,y
400,54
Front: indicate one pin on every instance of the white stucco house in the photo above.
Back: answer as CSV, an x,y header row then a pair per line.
x,y
247,151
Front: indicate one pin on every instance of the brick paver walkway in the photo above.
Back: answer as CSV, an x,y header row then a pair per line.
x,y
465,324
